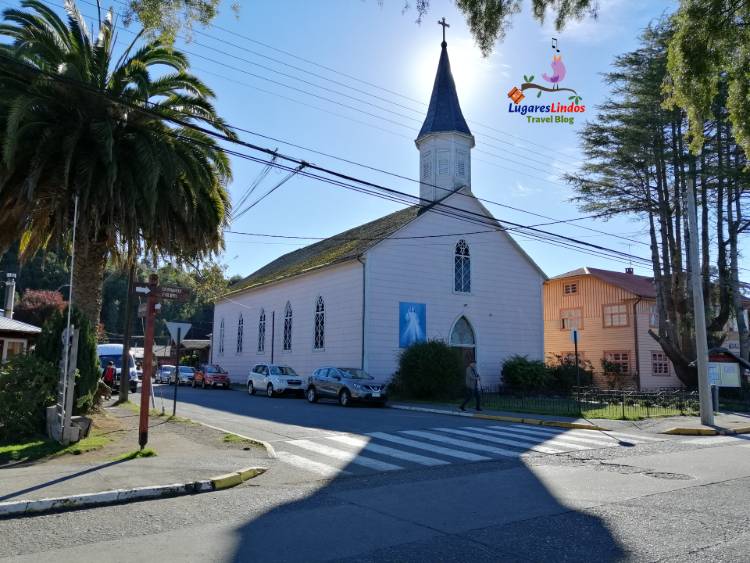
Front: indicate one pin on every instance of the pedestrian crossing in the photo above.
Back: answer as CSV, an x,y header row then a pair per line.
x,y
378,452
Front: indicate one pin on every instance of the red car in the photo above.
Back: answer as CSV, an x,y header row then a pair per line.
x,y
211,375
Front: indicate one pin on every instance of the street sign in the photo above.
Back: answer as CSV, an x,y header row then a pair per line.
x,y
173,327
175,293
724,374
142,310
141,288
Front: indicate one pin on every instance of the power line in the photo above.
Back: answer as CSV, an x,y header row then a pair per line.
x,y
339,178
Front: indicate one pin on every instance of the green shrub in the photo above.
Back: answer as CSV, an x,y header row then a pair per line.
x,y
27,387
50,348
522,374
563,373
429,370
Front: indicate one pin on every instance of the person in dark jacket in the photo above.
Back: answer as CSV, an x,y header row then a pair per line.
x,y
473,386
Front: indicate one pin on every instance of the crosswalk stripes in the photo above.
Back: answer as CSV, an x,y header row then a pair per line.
x,y
466,456
343,455
393,452
347,454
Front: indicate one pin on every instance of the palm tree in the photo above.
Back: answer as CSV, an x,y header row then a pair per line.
x,y
76,122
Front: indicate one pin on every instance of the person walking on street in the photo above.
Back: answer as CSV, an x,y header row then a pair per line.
x,y
473,386
109,374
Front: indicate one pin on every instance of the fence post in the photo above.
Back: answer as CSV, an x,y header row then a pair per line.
x,y
623,404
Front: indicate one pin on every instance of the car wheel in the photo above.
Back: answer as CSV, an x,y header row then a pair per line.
x,y
345,398
269,390
312,395
250,388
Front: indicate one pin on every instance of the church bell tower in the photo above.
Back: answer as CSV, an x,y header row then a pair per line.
x,y
445,141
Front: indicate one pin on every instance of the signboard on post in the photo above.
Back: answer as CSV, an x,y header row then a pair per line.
x,y
177,331
174,293
724,374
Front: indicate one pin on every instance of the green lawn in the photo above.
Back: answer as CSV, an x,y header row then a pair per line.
x,y
43,447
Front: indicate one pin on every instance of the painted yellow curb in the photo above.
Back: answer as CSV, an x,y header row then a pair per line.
x,y
691,431
499,417
250,472
226,481
573,425
538,422
742,430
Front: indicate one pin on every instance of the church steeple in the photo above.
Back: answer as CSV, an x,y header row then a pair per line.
x,y
445,141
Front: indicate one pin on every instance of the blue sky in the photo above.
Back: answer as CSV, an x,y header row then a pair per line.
x,y
514,163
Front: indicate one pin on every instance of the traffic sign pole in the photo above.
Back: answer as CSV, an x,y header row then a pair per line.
x,y
176,371
148,353
578,365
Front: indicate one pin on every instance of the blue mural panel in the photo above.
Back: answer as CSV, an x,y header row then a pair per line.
x,y
412,323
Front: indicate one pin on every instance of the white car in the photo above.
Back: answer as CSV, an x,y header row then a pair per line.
x,y
274,379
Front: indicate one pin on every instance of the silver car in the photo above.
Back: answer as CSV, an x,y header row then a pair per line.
x,y
164,374
185,376
345,385
274,379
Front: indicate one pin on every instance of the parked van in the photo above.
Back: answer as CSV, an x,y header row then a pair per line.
x,y
113,353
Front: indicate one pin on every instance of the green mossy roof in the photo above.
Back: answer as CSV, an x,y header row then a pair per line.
x,y
334,250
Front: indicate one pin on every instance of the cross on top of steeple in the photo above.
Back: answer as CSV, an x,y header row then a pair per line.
x,y
444,24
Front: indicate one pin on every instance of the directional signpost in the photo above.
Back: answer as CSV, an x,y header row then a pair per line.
x,y
152,292
177,331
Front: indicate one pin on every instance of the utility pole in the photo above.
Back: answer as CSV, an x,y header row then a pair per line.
x,y
148,366
125,381
699,312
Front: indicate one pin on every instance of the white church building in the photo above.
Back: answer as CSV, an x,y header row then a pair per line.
x,y
443,269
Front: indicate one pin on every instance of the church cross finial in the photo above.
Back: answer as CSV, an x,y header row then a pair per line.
x,y
444,24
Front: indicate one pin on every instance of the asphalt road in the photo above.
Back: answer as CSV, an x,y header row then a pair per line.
x,y
368,484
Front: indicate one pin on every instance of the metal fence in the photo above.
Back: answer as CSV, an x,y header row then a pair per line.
x,y
597,403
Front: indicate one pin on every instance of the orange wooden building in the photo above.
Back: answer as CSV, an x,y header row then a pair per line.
x,y
613,312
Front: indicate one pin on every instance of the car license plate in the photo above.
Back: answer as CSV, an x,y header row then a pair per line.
x,y
376,394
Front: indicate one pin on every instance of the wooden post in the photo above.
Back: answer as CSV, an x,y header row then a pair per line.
x,y
148,364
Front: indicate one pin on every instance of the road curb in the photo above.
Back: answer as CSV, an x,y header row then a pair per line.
x,y
270,451
502,418
707,431
20,508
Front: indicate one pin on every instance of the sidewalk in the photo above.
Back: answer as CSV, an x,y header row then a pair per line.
x,y
724,423
185,452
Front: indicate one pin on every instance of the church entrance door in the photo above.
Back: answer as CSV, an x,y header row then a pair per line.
x,y
462,339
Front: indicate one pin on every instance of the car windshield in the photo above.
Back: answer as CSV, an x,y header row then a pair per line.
x,y
116,358
355,373
185,369
282,370
214,369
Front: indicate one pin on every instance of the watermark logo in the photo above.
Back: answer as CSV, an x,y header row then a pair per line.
x,y
535,113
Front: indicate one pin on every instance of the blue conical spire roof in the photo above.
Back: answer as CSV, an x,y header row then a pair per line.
x,y
444,113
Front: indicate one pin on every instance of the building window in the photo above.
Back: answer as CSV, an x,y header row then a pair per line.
x,y
288,327
570,319
570,288
617,362
427,164
615,315
444,163
240,331
262,332
653,316
659,364
221,337
320,325
462,268
460,164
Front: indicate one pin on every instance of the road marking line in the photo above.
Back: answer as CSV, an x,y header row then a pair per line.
x,y
592,442
344,455
310,465
461,443
517,443
384,450
466,456
547,441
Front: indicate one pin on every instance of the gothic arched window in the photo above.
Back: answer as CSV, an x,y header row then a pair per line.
x,y
221,337
320,325
462,268
288,326
240,332
262,331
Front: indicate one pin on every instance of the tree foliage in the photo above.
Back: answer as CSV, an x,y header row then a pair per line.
x,y
27,387
37,306
167,18
429,370
75,121
709,52
637,163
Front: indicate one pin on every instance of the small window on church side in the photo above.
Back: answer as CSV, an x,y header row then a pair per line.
x,y
221,337
288,327
240,333
320,325
462,268
262,332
